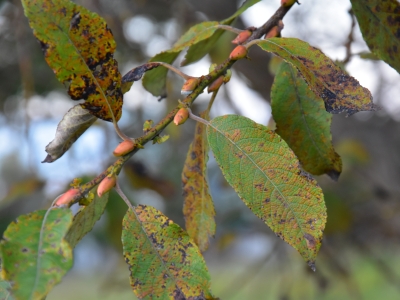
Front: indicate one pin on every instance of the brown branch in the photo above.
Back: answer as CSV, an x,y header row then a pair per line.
x,y
204,81
350,38
273,21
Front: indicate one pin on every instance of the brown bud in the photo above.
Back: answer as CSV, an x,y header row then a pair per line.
x,y
106,185
181,116
242,37
124,148
189,85
215,85
66,198
238,53
275,31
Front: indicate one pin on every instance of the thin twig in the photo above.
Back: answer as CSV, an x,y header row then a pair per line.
x,y
175,70
229,28
350,38
123,196
204,81
196,118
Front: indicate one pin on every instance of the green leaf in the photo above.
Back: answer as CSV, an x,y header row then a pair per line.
x,y
198,206
79,47
303,123
74,123
198,50
379,22
164,262
340,92
85,218
266,174
35,253
200,39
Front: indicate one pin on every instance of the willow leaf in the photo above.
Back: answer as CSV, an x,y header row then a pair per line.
x,y
79,47
74,123
379,22
200,39
266,174
35,254
302,121
340,92
86,218
198,206
164,262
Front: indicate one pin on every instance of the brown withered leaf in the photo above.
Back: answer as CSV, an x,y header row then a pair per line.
x,y
72,126
136,74
198,206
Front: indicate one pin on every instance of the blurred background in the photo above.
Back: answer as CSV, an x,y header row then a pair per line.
x,y
359,256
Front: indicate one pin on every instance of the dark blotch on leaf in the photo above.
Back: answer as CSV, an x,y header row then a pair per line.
x,y
137,73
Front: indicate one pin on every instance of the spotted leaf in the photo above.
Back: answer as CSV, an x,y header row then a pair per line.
x,y
340,92
380,26
35,254
164,262
266,174
79,47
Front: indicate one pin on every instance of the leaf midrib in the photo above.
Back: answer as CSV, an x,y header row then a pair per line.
x,y
275,186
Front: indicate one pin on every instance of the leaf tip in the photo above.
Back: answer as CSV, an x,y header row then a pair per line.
x,y
312,265
48,159
333,174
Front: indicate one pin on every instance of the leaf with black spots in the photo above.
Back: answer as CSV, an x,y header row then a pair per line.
x,y
164,262
267,176
340,92
79,47
198,206
379,22
35,255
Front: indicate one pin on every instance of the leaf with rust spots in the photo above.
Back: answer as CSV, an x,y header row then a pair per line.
x,y
266,174
340,92
302,121
86,218
380,26
198,206
72,126
163,260
35,256
79,47
200,39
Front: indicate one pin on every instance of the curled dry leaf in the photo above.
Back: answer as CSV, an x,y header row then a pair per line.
x,y
72,126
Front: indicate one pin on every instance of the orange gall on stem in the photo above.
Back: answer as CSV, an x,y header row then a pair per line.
x,y
181,116
275,31
189,85
286,3
106,185
66,198
238,53
216,84
124,147
242,37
